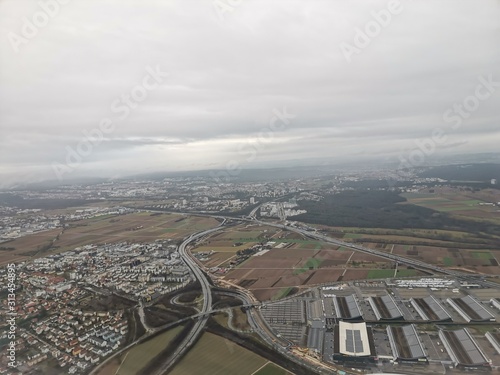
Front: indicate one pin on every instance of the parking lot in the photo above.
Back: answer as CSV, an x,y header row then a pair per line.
x,y
381,341
488,349
434,347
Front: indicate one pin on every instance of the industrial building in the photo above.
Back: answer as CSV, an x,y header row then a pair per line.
x,y
385,308
405,344
494,339
315,338
463,349
347,308
314,310
470,309
353,344
430,309
495,303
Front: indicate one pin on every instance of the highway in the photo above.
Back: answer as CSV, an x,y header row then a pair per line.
x,y
417,264
314,235
255,321
204,314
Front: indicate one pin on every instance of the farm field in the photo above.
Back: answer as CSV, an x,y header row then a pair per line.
x,y
459,202
269,274
272,369
302,262
299,264
226,244
215,355
138,357
381,274
485,261
140,227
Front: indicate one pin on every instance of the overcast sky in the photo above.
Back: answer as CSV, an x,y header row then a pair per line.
x,y
230,68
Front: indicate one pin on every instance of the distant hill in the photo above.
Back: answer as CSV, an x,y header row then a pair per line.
x,y
465,172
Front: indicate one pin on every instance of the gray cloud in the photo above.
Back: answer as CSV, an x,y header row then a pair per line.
x,y
226,77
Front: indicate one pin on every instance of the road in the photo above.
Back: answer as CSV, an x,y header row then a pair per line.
x,y
195,332
317,236
255,321
417,264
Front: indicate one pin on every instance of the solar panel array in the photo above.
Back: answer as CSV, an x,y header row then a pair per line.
x,y
478,309
436,307
353,306
469,347
413,342
391,307
354,343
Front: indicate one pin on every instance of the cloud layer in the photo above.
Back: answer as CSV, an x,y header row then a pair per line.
x,y
227,74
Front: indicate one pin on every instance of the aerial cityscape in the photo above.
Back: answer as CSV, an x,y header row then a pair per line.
x,y
249,187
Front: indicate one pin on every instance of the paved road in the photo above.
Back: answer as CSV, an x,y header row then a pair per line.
x,y
417,264
191,338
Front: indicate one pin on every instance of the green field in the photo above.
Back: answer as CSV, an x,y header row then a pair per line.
x,y
353,235
383,274
239,236
312,263
447,261
485,255
138,357
406,273
443,204
282,293
380,274
271,369
214,355
452,208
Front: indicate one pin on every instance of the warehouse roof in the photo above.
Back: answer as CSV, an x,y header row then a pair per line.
x,y
462,348
353,339
346,307
385,307
430,309
405,342
470,309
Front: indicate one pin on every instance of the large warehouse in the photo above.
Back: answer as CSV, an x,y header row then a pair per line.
x,y
385,308
470,309
494,339
430,309
463,349
405,344
347,308
353,343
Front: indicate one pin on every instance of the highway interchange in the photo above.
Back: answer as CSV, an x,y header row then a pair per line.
x,y
254,318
